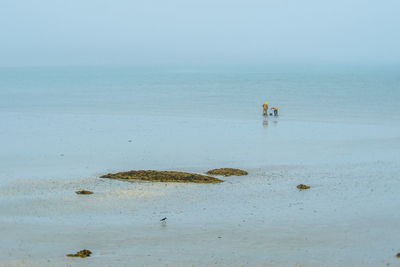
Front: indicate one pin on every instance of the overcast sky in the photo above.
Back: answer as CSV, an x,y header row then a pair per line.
x,y
87,32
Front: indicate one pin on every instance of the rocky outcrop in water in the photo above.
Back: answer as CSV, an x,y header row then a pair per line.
x,y
163,176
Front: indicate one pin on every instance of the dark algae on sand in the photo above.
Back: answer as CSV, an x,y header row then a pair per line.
x,y
84,192
303,187
227,172
81,254
163,176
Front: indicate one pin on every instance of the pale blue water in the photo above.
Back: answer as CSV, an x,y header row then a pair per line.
x,y
355,94
339,131
193,118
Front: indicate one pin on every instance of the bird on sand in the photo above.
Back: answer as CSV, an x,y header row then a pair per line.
x,y
163,219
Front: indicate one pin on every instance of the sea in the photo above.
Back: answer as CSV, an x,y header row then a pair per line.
x,y
338,131
83,121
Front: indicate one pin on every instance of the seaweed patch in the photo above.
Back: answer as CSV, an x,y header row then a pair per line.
x,y
163,176
227,172
81,254
84,192
303,187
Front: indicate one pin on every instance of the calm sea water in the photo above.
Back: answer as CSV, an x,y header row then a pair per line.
x,y
83,121
338,131
305,93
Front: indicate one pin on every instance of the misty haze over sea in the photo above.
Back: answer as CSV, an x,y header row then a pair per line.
x,y
89,88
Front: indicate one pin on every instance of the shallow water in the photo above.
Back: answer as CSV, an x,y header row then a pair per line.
x,y
338,131
347,218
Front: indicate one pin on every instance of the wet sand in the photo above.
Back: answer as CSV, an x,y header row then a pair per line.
x,y
348,218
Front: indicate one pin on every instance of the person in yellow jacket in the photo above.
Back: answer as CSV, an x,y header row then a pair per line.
x,y
265,109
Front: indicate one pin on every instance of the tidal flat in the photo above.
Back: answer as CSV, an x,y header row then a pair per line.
x,y
260,220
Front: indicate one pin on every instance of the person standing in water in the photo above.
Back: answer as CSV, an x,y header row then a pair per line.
x,y
265,109
275,109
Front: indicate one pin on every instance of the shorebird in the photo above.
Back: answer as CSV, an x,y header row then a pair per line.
x,y
164,221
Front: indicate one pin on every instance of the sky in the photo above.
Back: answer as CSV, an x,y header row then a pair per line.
x,y
135,32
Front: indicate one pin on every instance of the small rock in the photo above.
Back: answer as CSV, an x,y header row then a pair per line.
x,y
303,187
84,192
81,254
398,255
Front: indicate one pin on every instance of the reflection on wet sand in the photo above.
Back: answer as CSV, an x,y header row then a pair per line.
x,y
265,122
